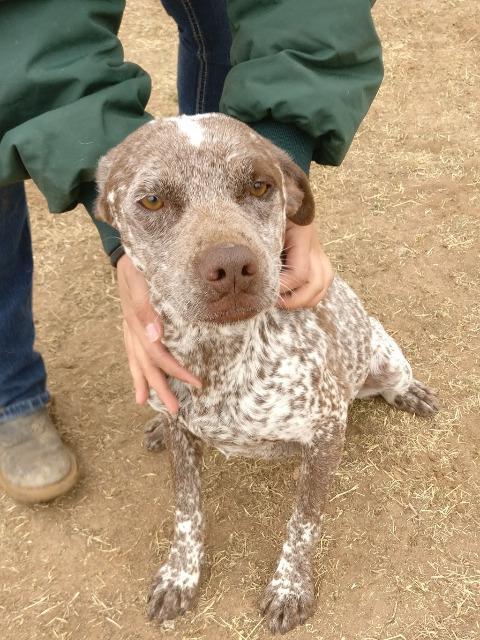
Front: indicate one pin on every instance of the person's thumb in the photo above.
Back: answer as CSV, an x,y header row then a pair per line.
x,y
149,321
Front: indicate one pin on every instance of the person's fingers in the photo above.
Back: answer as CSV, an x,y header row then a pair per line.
x,y
296,270
292,279
135,301
157,381
301,297
149,339
319,280
149,360
297,245
328,279
304,295
161,357
133,290
143,321
139,381
319,298
147,375
321,262
145,324
153,330
147,319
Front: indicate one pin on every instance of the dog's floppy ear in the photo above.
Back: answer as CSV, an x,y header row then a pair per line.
x,y
103,206
299,203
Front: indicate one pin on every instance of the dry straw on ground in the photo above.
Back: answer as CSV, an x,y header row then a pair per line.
x,y
399,557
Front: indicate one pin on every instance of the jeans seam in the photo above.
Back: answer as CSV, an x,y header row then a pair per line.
x,y
197,34
24,407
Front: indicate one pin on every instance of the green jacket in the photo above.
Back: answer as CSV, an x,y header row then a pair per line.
x,y
304,73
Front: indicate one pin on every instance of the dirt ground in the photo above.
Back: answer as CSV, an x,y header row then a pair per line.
x,y
399,556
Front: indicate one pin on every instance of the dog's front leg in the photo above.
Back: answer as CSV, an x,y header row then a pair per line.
x,y
289,598
176,583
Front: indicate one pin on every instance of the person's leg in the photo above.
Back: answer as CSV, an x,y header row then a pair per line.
x,y
203,53
34,463
22,372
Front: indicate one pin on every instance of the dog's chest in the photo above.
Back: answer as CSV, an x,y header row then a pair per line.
x,y
277,378
255,415
260,390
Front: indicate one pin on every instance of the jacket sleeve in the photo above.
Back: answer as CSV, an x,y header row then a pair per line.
x,y
304,72
67,96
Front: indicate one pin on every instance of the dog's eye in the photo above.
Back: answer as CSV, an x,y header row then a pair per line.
x,y
152,203
259,188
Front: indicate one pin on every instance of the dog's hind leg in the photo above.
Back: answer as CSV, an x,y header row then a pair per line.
x,y
390,376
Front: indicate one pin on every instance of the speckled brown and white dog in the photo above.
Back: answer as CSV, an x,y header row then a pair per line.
x,y
201,204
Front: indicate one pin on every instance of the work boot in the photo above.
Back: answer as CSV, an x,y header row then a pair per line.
x,y
35,465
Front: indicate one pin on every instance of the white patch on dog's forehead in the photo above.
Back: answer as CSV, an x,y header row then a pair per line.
x,y
204,116
190,128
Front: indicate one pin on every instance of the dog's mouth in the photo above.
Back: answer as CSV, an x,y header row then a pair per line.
x,y
233,308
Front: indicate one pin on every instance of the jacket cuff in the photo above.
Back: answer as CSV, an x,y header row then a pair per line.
x,y
109,236
297,143
116,255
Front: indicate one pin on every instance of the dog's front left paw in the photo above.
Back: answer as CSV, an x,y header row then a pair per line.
x,y
286,605
173,592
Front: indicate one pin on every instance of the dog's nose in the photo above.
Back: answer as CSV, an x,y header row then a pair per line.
x,y
228,267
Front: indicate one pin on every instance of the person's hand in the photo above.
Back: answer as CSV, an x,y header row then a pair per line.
x,y
148,358
307,273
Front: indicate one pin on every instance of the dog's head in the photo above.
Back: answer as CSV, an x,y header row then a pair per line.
x,y
201,204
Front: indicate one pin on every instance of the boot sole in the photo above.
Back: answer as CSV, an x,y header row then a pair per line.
x,y
33,495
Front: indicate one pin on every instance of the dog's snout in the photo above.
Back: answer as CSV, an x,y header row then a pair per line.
x,y
230,282
228,267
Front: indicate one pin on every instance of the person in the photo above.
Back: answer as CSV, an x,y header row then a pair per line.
x,y
302,73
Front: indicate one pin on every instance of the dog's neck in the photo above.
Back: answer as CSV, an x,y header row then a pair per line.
x,y
205,347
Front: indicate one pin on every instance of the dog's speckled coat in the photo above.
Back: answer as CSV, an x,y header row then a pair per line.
x,y
274,383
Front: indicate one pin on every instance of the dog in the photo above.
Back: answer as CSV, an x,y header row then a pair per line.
x,y
201,203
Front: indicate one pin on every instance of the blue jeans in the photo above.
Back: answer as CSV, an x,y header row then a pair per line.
x,y
22,372
203,63
203,52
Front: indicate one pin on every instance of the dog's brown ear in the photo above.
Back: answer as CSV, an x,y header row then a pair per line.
x,y
103,208
300,205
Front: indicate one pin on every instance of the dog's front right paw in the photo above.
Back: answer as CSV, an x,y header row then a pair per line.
x,y
154,433
173,592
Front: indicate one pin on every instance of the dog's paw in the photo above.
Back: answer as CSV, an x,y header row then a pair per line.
x,y
172,594
154,433
286,606
418,399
